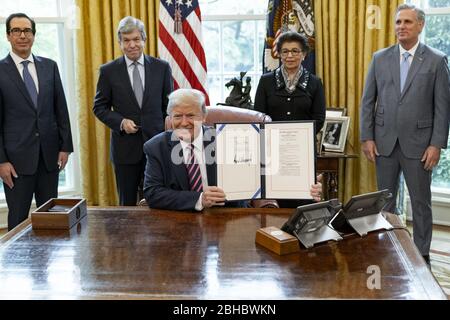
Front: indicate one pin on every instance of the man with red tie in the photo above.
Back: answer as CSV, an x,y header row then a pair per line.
x,y
180,171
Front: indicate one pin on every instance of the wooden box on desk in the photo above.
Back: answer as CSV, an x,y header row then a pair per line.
x,y
59,214
277,241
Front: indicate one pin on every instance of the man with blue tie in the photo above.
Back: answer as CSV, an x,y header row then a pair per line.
x,y
131,99
404,118
35,136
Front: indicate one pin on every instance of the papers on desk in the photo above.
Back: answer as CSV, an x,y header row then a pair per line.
x,y
272,160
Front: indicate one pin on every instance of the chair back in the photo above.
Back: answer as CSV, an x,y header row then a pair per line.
x,y
228,114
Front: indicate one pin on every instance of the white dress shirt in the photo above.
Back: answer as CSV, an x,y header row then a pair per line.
x,y
141,68
411,51
200,156
130,69
31,67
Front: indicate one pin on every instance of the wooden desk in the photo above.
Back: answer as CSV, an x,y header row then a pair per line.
x,y
135,253
328,164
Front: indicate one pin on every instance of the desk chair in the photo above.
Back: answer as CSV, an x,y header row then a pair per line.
x,y
229,114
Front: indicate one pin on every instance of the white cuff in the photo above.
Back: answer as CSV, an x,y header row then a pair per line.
x,y
199,205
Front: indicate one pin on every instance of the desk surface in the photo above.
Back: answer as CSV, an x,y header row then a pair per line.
x,y
137,253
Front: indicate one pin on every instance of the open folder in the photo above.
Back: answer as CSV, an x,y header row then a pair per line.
x,y
274,160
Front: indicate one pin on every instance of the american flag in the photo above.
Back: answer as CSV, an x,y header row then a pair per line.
x,y
180,43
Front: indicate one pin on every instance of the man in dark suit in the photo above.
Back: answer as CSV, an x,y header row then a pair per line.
x,y
35,136
404,117
131,99
180,170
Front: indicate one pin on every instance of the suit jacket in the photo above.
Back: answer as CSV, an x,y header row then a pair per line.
x,y
25,129
307,102
418,116
115,100
166,183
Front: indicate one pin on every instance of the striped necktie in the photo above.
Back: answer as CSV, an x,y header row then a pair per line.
x,y
193,170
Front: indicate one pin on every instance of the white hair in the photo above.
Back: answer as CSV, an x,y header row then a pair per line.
x,y
177,97
128,25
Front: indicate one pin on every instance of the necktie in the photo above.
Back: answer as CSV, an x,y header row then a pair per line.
x,y
29,83
193,170
137,84
404,68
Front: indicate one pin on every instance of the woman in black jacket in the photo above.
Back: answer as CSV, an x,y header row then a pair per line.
x,y
291,92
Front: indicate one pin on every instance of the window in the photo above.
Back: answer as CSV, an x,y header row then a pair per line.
x,y
233,38
54,39
436,35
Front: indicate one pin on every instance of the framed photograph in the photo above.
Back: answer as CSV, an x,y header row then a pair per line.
x,y
335,132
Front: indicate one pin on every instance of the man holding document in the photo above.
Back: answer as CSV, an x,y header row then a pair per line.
x,y
181,166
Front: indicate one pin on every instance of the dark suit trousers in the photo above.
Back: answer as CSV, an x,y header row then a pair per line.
x,y
418,181
43,184
128,179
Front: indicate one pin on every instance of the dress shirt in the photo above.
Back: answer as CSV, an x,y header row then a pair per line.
x,y
411,51
200,156
130,69
141,68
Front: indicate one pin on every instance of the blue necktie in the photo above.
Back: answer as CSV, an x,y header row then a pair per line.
x,y
404,68
29,83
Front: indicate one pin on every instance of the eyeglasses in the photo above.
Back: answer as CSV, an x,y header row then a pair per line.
x,y
17,32
295,52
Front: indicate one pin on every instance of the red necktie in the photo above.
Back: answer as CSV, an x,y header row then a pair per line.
x,y
193,170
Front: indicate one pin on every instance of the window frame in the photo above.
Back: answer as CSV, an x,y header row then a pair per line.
x,y
223,74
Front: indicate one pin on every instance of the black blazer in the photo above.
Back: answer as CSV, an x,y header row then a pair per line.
x,y
25,129
166,183
115,100
307,102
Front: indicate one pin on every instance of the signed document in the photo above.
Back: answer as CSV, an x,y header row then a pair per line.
x,y
238,160
272,160
290,160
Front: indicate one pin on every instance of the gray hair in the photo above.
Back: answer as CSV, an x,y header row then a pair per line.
x,y
177,97
420,13
128,25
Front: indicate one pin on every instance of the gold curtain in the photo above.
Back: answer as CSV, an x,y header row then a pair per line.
x,y
348,32
97,44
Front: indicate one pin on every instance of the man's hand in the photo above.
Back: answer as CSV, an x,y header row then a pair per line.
x,y
129,126
63,157
316,189
213,196
370,150
431,157
7,172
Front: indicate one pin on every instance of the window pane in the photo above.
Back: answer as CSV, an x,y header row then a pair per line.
x,y
33,8
238,53
438,3
261,25
211,42
232,7
215,90
436,36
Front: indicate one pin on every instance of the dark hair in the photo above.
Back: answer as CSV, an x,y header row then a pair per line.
x,y
420,13
19,15
292,36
